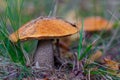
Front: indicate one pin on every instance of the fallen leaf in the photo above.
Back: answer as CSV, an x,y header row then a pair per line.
x,y
111,64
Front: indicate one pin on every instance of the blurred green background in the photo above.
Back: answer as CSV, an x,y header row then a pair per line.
x,y
68,8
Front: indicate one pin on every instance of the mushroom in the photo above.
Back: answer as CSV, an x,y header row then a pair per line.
x,y
44,29
96,23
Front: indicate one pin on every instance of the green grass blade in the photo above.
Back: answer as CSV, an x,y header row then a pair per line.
x,y
85,52
80,42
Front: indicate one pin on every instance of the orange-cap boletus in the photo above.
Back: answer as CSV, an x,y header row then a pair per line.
x,y
95,23
44,29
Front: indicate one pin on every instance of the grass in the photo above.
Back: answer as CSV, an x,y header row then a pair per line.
x,y
80,43
12,15
13,54
82,54
11,21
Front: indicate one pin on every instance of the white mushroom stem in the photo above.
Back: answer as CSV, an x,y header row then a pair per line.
x,y
44,53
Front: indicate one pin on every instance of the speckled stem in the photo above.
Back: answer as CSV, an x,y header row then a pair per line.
x,y
44,53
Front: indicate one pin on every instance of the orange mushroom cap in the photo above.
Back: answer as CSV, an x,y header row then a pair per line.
x,y
43,28
95,24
